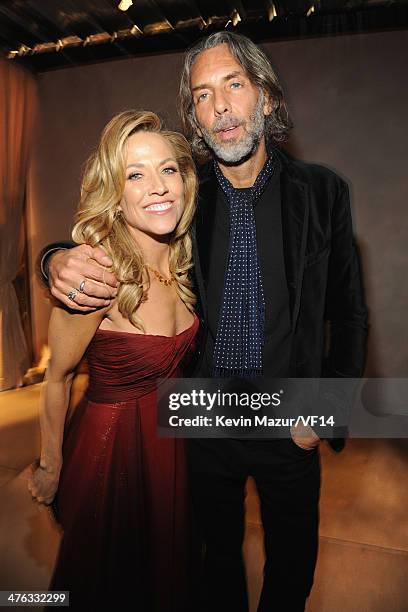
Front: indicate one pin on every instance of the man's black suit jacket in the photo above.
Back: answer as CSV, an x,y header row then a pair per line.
x,y
327,307
321,263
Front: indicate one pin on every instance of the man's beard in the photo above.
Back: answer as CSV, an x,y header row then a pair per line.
x,y
233,152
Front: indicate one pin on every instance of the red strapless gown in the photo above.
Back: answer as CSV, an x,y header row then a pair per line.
x,y
122,496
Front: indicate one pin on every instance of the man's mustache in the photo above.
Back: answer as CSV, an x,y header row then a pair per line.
x,y
226,122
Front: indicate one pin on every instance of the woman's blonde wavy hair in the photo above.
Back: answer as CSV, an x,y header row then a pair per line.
x,y
98,223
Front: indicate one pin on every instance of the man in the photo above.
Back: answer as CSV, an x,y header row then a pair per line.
x,y
281,229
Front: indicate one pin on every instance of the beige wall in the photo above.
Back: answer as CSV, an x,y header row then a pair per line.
x,y
348,96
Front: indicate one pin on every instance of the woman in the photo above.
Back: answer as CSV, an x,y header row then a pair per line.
x,y
121,489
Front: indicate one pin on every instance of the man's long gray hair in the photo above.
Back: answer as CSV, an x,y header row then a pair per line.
x,y
261,74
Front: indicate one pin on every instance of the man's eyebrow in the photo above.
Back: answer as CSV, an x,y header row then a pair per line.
x,y
227,77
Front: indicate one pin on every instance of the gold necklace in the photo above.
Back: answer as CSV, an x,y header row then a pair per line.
x,y
162,279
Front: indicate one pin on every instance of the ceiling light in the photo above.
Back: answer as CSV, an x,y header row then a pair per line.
x,y
236,17
272,12
124,5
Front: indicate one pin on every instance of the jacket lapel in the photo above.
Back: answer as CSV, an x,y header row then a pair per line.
x,y
295,221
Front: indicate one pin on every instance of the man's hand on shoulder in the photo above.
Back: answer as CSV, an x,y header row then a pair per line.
x,y
79,279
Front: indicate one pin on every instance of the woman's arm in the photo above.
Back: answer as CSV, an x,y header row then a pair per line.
x,y
68,336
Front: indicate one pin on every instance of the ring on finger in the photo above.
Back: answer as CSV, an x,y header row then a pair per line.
x,y
72,295
81,286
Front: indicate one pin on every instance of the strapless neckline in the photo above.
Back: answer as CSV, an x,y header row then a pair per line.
x,y
115,331
125,366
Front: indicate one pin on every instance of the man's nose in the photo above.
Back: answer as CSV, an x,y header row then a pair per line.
x,y
221,103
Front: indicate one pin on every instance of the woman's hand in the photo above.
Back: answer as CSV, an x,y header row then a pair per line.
x,y
43,484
